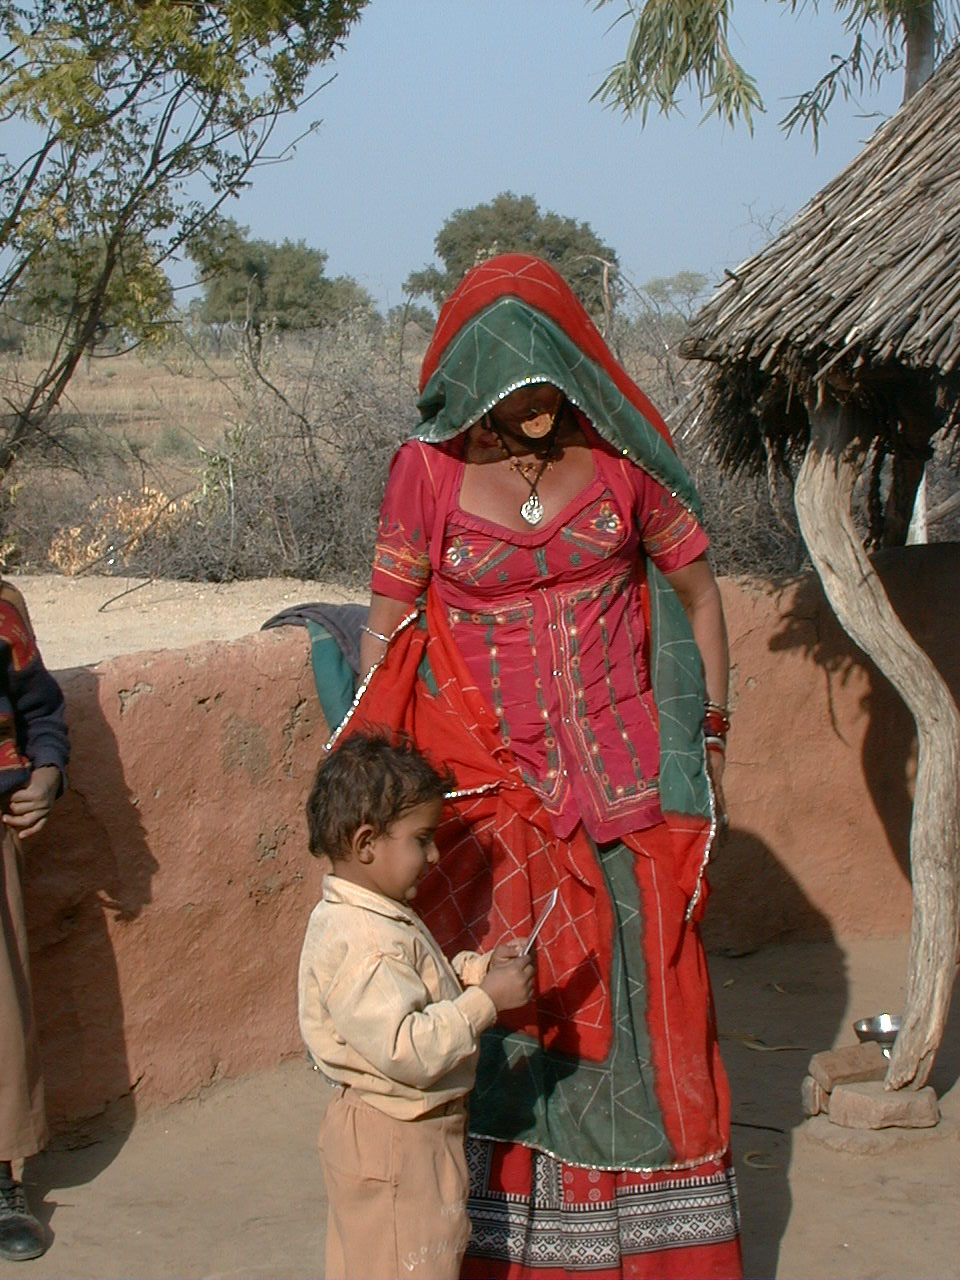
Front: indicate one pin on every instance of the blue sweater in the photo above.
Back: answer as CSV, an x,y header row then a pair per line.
x,y
33,730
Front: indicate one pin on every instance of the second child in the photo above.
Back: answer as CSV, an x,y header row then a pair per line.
x,y
34,748
390,1021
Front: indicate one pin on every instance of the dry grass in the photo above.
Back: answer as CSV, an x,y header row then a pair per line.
x,y
132,427
196,469
154,415
166,407
216,468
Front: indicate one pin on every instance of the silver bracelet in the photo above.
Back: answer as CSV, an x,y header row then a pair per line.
x,y
376,634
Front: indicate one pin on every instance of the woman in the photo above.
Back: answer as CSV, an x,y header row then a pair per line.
x,y
568,659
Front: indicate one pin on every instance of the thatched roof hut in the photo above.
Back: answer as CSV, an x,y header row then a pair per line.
x,y
861,290
834,348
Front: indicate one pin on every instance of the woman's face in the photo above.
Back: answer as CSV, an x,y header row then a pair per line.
x,y
528,411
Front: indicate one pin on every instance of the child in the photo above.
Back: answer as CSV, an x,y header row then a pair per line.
x,y
33,754
385,1016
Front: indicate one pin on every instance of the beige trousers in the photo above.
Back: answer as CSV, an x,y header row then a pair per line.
x,y
397,1192
23,1124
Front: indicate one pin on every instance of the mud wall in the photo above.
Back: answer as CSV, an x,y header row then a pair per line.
x,y
167,898
821,760
168,895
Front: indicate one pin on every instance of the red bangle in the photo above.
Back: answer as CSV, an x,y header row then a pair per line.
x,y
716,723
715,744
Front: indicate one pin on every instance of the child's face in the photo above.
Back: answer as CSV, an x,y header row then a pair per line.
x,y
393,862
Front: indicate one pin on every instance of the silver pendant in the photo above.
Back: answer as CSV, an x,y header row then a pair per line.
x,y
532,509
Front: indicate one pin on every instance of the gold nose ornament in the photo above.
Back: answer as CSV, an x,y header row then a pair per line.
x,y
539,426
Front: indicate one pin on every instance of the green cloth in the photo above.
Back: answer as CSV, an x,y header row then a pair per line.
x,y
332,674
590,1113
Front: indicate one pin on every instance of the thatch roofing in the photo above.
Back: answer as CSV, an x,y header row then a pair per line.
x,y
861,289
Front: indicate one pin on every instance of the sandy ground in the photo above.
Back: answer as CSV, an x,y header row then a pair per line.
x,y
227,1184
83,620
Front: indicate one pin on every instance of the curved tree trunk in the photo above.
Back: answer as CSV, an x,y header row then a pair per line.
x,y
824,490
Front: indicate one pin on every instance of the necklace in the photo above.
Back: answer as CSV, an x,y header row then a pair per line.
x,y
532,508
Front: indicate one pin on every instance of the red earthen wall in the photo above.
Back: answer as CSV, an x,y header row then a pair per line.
x,y
821,758
169,895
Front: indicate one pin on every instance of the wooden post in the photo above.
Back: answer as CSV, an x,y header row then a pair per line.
x,y
823,494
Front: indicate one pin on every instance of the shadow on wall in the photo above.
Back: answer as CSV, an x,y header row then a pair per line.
x,y
770,1021
921,584
776,910
76,890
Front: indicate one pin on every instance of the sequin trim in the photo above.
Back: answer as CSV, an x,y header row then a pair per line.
x,y
708,847
612,1168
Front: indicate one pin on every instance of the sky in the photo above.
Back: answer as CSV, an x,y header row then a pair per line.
x,y
439,105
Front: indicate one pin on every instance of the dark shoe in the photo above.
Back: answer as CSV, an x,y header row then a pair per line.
x,y
21,1235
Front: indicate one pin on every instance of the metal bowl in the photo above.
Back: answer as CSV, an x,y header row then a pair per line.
x,y
882,1027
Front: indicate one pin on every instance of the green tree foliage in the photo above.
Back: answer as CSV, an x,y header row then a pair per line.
x,y
232,271
410,312
514,224
673,300
348,299
132,121
680,44
55,285
248,284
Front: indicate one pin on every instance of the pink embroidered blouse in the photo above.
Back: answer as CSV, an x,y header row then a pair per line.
x,y
549,622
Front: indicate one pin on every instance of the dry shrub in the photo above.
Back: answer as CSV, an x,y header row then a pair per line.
x,y
751,532
113,531
293,487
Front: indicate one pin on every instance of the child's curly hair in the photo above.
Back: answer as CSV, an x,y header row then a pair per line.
x,y
371,777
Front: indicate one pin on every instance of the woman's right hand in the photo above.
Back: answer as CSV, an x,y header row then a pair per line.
x,y
384,617
510,984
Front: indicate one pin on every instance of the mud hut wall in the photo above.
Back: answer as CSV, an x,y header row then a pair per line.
x,y
168,899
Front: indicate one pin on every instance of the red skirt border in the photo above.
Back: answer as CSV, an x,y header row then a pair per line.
x,y
537,1218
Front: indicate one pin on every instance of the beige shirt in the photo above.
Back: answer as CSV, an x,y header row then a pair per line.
x,y
382,1009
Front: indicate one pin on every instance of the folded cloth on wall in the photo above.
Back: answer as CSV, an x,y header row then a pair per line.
x,y
334,631
342,621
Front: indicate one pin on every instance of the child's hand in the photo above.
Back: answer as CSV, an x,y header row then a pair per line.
x,y
510,984
505,951
30,806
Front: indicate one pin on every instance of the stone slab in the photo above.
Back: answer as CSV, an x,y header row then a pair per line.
x,y
886,1143
848,1065
813,1097
868,1105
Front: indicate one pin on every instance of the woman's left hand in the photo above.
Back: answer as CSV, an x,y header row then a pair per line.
x,y
715,763
700,596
